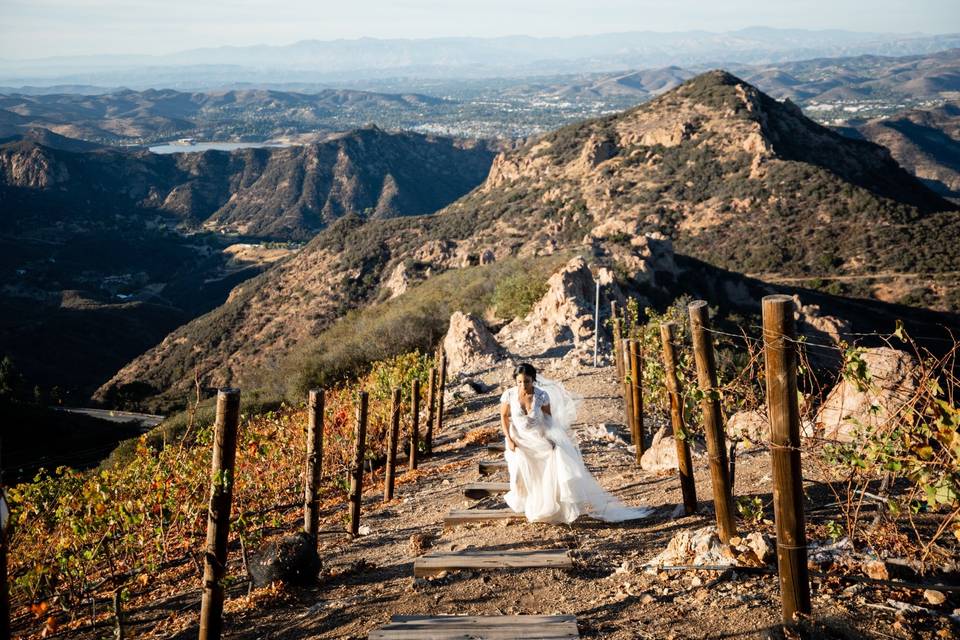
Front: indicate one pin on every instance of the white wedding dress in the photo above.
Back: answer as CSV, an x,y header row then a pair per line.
x,y
548,480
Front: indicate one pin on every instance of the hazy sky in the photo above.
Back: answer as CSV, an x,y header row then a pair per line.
x,y
41,28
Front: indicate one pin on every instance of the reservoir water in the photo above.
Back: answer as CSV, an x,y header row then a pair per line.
x,y
172,147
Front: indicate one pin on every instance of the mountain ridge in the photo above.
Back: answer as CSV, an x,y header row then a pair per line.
x,y
714,164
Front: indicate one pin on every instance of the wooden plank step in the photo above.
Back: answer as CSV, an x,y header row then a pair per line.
x,y
496,446
478,628
466,516
477,490
489,467
439,561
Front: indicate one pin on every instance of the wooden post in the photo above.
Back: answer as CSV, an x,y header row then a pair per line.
x,y
636,389
684,462
615,327
414,424
314,466
780,356
4,580
118,631
5,519
442,389
388,480
218,516
356,468
712,421
627,391
431,411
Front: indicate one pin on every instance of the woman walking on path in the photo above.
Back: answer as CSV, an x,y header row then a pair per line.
x,y
548,480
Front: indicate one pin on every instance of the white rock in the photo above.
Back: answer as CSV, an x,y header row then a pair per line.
x,y
469,346
889,390
662,454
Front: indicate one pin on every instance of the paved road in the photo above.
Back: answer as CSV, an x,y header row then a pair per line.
x,y
146,420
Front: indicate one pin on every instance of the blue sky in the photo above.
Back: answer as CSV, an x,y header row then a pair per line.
x,y
42,28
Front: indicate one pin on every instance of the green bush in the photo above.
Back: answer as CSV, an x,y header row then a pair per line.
x,y
515,296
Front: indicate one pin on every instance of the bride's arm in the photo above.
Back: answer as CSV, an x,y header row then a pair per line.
x,y
505,425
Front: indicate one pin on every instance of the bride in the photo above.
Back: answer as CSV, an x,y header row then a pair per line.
x,y
548,480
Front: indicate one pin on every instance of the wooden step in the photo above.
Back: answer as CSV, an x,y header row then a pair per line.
x,y
477,490
466,516
439,561
496,446
478,628
489,467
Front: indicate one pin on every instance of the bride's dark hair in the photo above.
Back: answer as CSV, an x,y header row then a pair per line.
x,y
525,368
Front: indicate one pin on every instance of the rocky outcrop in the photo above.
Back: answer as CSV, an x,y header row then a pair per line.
x,y
398,282
869,405
564,314
29,167
647,257
821,330
469,346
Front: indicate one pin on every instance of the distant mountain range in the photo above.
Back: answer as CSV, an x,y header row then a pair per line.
x,y
123,116
336,60
926,142
830,90
809,82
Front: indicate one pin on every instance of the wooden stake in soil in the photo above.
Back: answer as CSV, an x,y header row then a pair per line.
x,y
388,480
431,412
780,356
712,421
4,538
118,630
628,391
615,327
314,466
218,516
636,389
684,462
414,424
442,390
356,467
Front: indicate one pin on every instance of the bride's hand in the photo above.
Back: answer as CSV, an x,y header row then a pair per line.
x,y
511,444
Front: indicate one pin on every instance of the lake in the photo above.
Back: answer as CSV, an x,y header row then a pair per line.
x,y
170,147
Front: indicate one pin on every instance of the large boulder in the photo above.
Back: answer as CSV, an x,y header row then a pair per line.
x,y
469,346
698,547
661,456
292,560
563,314
854,405
748,427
